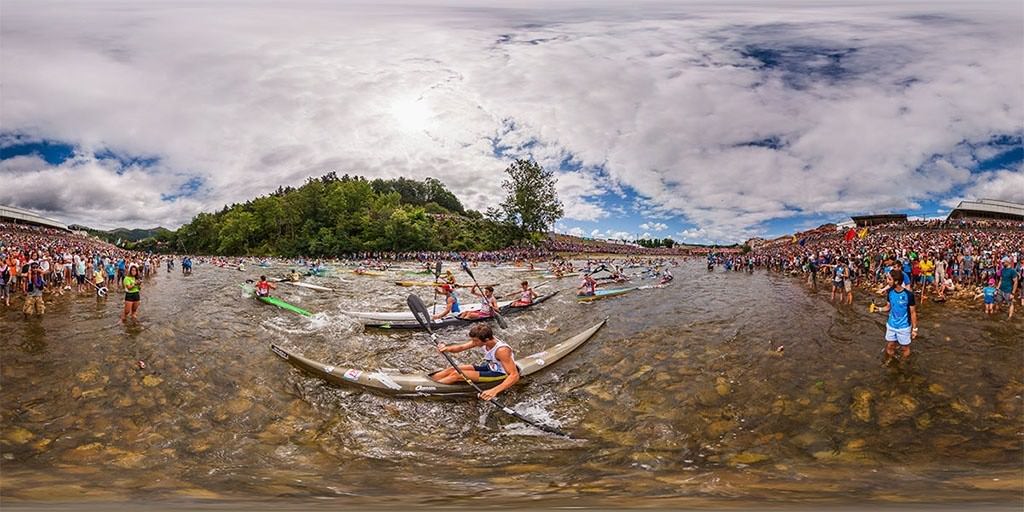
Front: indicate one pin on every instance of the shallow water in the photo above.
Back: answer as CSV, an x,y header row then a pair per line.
x,y
681,400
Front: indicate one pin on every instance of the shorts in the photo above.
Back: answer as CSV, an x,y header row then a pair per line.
x,y
487,374
928,279
132,297
902,336
848,285
80,278
1002,296
838,284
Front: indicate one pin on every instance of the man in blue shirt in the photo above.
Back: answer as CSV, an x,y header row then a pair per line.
x,y
1007,284
901,327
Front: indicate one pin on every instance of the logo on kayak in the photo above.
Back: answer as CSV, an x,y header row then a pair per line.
x,y
281,353
353,374
540,362
426,388
329,369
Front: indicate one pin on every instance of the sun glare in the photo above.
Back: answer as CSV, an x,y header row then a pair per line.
x,y
411,114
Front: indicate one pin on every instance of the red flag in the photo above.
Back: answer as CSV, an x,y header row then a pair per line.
x,y
851,234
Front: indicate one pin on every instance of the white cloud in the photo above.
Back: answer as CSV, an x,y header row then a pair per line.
x,y
654,226
664,100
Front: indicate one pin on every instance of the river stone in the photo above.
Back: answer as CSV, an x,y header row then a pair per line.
x,y
861,407
151,381
239,406
722,386
923,421
895,409
19,435
855,445
936,389
748,458
720,427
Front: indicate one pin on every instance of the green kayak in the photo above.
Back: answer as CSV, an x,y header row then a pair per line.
x,y
284,305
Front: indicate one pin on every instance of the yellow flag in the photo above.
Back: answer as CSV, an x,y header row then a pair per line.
x,y
863,233
794,239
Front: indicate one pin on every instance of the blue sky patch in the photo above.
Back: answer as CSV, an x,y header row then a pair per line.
x,y
53,152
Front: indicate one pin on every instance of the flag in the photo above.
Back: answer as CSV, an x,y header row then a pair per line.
x,y
794,239
851,234
802,241
863,233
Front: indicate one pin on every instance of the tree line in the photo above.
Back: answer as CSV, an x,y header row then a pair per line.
x,y
332,215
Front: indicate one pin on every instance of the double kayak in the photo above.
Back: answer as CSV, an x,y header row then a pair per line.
x,y
401,384
407,316
274,301
452,321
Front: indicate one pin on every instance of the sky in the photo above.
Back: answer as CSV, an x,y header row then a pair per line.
x,y
706,122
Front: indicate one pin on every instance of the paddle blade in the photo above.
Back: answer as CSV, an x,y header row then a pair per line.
x,y
102,291
419,310
501,320
465,266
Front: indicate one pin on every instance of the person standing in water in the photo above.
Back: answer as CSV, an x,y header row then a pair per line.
x,y
132,294
901,327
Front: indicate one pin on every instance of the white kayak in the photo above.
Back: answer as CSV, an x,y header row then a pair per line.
x,y
398,316
311,286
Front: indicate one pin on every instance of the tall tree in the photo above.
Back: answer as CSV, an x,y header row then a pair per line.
x,y
531,203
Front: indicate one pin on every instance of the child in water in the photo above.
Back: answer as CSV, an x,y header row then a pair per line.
x,y
989,293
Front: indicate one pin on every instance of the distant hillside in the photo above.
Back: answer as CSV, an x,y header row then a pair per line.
x,y
123,234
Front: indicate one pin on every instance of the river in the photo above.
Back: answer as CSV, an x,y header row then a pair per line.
x,y
682,400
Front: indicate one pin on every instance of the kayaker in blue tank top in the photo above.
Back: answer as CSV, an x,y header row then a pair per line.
x,y
451,301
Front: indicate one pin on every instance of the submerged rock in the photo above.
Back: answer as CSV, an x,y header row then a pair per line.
x,y
861,406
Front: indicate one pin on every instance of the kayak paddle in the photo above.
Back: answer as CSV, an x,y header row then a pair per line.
x,y
437,275
497,315
419,310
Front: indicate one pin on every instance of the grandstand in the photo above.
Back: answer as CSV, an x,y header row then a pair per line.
x,y
863,221
991,209
10,214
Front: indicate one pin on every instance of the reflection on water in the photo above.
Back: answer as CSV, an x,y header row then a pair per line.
x,y
684,398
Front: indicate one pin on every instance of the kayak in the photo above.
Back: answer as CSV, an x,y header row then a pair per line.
x,y
311,286
284,305
410,284
555,276
604,294
452,321
407,316
398,384
368,272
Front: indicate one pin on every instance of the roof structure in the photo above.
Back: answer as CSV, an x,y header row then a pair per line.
x,y
987,209
876,219
20,216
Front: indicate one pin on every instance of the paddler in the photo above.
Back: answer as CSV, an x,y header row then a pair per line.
x,y
263,287
451,301
666,277
488,304
294,276
588,288
498,363
526,296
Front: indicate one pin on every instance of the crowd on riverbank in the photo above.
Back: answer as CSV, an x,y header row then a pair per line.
x,y
37,260
941,259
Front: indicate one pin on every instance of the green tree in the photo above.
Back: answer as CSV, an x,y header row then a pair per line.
x,y
531,203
